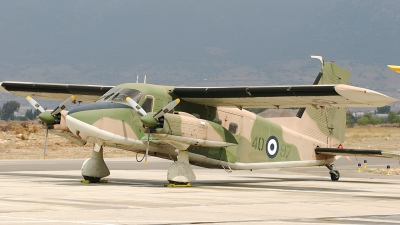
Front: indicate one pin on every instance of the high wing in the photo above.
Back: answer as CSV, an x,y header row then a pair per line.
x,y
49,91
357,152
340,95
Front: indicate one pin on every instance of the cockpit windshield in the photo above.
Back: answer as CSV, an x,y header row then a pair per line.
x,y
108,94
119,95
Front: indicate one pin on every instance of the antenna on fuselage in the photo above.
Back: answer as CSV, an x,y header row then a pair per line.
x,y
144,79
137,79
318,57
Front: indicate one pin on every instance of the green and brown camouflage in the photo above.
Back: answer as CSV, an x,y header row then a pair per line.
x,y
209,127
235,136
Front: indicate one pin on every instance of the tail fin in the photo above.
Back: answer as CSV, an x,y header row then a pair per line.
x,y
327,124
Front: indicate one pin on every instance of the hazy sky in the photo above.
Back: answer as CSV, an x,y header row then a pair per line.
x,y
123,32
188,42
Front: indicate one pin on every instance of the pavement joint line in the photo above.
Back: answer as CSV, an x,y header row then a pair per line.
x,y
30,219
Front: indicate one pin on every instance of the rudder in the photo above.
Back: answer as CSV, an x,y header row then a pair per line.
x,y
327,124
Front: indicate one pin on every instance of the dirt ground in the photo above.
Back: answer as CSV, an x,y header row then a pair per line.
x,y
25,140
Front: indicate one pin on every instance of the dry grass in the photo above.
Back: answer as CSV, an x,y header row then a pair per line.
x,y
25,140
373,137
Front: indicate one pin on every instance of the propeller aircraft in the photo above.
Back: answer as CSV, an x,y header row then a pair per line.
x,y
208,126
394,68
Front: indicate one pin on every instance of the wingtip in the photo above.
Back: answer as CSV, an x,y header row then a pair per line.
x,y
28,97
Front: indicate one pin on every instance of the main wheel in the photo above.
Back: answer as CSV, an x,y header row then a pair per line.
x,y
335,175
92,179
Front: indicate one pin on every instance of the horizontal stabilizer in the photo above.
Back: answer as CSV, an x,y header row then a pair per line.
x,y
357,152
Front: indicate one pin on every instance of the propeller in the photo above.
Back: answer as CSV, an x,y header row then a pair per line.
x,y
150,120
34,104
49,118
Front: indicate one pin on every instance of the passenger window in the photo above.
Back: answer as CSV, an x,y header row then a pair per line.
x,y
217,121
233,128
148,104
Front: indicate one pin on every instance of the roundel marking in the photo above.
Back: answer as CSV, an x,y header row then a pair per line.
x,y
272,147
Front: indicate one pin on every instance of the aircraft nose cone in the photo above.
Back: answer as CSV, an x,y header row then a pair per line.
x,y
90,120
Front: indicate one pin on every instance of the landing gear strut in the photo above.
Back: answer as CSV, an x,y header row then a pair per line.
x,y
95,168
335,175
180,171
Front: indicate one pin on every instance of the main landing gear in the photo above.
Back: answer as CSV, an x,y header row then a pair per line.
x,y
335,175
180,173
95,168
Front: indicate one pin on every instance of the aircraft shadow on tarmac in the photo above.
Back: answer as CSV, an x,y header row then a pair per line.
x,y
252,182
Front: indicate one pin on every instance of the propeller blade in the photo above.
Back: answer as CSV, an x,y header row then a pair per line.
x,y
34,104
166,108
147,148
45,142
136,106
63,105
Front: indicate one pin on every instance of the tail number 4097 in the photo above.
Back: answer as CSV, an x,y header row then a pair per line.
x,y
272,147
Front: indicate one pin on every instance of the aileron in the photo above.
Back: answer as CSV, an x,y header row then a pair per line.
x,y
52,91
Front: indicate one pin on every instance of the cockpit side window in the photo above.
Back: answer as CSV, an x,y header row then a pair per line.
x,y
126,92
148,104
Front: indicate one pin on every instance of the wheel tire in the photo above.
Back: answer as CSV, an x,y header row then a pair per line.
x,y
335,175
92,179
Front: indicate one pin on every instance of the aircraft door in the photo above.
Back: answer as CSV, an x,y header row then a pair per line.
x,y
233,123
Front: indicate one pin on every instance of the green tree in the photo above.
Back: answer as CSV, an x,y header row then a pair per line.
x,y
368,119
8,110
36,113
350,120
383,109
363,121
29,114
393,117
375,120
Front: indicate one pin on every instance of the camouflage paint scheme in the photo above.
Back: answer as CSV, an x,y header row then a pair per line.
x,y
287,139
215,136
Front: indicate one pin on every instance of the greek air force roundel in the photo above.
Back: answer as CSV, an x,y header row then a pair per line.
x,y
272,147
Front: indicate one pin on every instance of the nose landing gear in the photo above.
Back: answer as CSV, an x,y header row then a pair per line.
x,y
94,168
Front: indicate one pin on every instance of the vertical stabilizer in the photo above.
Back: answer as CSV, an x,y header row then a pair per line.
x,y
327,124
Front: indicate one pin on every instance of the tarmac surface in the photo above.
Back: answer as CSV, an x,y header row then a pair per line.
x,y
49,192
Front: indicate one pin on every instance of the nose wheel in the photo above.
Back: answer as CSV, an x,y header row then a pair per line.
x,y
335,175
